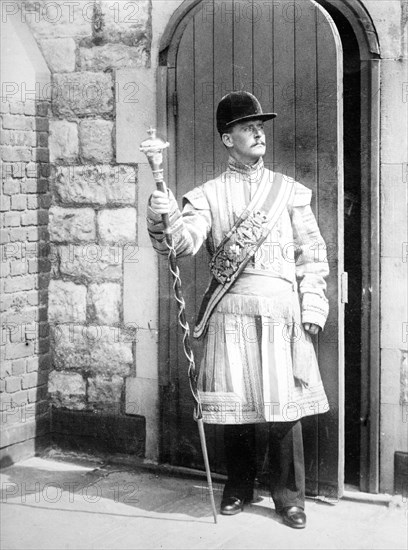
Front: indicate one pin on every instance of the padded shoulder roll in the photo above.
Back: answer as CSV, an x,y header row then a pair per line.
x,y
197,199
303,195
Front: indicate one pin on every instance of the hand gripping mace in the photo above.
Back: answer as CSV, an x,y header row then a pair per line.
x,y
153,149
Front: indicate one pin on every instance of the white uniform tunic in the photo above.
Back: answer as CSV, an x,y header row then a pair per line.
x,y
259,364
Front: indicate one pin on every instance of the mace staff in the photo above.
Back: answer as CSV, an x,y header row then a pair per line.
x,y
153,148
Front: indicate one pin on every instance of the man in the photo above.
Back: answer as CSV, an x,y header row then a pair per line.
x,y
266,297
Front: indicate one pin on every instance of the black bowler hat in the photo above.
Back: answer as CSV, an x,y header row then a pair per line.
x,y
239,107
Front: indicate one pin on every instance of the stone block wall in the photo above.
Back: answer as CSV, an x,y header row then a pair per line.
x,y
391,21
93,211
25,271
69,213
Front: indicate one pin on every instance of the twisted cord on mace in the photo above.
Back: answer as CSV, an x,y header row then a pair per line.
x,y
153,148
188,352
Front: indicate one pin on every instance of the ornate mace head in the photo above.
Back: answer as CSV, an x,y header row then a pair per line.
x,y
153,149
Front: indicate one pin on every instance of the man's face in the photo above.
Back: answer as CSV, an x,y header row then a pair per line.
x,y
246,141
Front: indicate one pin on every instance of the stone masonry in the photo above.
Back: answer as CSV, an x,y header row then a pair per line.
x,y
64,193
92,218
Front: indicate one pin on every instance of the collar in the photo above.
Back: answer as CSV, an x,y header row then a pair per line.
x,y
250,172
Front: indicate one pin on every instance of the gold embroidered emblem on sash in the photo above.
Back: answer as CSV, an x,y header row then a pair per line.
x,y
238,244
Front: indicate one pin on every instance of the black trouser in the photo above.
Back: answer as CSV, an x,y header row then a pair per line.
x,y
286,462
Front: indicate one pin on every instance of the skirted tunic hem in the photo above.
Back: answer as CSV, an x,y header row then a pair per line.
x,y
259,363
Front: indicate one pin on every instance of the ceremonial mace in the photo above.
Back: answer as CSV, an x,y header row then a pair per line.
x,y
153,149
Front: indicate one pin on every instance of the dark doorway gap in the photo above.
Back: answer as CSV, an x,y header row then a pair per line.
x,y
352,244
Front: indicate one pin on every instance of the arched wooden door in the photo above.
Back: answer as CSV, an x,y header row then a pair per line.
x,y
289,55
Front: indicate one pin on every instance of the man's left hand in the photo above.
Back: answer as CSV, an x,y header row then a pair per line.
x,y
311,328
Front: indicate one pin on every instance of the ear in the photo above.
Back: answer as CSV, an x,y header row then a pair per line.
x,y
227,140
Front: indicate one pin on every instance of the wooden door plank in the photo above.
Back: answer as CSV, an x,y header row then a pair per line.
x,y
204,163
263,69
205,170
194,270
284,97
164,280
185,110
243,45
306,173
263,89
306,100
168,416
204,124
223,74
329,208
223,84
166,303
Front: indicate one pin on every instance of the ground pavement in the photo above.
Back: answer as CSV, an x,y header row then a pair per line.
x,y
72,502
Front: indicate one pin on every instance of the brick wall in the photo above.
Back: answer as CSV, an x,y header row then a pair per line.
x,y
25,270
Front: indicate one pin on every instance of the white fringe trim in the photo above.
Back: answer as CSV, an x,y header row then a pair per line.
x,y
279,307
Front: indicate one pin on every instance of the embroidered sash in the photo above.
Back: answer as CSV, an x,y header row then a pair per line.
x,y
243,240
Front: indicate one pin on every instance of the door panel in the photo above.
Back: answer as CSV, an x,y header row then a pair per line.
x,y
306,171
291,60
329,208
